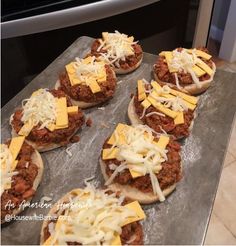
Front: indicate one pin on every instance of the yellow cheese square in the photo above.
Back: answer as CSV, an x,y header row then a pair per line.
x,y
145,103
140,215
179,118
134,174
203,54
116,240
141,91
169,57
131,39
198,71
119,130
205,67
162,53
70,68
26,129
87,60
102,79
74,80
156,86
13,165
189,105
200,53
162,108
51,127
190,99
105,35
15,146
72,109
163,141
94,86
7,186
62,116
48,241
108,154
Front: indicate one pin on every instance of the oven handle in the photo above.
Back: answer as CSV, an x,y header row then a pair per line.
x,y
69,17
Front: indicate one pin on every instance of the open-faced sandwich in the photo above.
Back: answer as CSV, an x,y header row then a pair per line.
x,y
93,217
191,70
88,82
21,173
163,108
47,119
143,165
118,50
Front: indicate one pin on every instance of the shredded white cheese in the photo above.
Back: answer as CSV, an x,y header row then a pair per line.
x,y
88,71
184,61
140,154
118,46
153,113
40,108
92,218
6,164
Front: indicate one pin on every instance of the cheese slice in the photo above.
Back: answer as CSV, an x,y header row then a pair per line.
x,y
162,53
119,129
156,86
179,119
141,91
70,68
105,35
189,105
169,57
135,174
62,116
162,108
146,103
72,109
190,99
26,129
163,141
135,206
198,71
93,85
205,67
87,60
15,146
200,53
108,154
116,240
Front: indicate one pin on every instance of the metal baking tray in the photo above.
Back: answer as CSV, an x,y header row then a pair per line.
x,y
184,216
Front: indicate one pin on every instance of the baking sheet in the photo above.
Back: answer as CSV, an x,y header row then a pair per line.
x,y
183,217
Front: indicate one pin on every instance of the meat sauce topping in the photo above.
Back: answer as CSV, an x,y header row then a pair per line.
x,y
83,93
45,136
129,62
162,71
166,123
168,175
22,183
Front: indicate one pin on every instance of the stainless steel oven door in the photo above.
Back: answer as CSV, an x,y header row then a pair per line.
x,y
69,17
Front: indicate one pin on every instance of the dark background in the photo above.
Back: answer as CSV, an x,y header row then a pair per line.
x,y
160,26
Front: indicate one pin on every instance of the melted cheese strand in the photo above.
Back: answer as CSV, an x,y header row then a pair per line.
x,y
40,108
